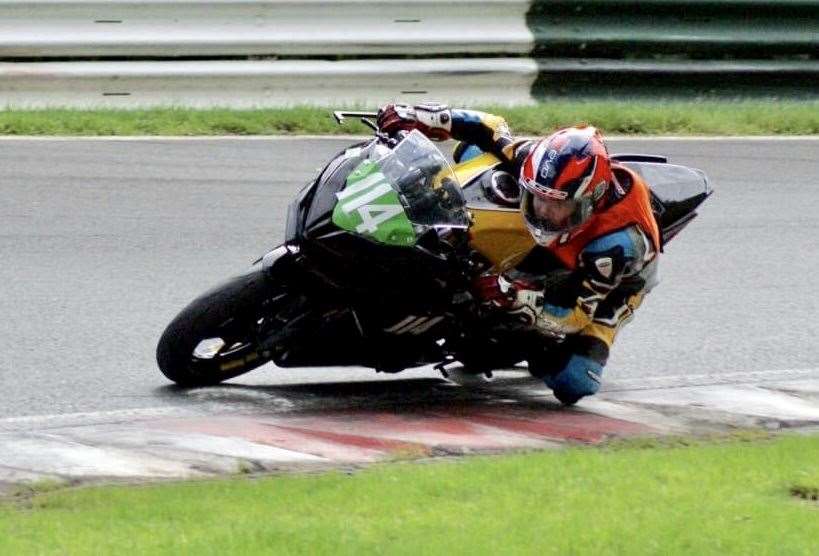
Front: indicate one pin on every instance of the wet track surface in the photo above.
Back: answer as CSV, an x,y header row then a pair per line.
x,y
102,242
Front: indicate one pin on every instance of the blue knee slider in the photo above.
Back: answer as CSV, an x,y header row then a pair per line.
x,y
580,377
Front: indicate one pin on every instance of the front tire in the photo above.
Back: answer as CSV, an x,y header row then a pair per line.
x,y
215,337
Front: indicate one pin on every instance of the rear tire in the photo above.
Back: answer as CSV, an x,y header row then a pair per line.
x,y
226,314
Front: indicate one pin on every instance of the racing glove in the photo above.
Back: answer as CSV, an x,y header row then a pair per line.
x,y
520,299
487,289
433,120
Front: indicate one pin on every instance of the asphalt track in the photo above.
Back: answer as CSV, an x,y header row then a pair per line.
x,y
102,242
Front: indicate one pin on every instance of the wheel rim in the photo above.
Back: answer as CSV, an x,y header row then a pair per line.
x,y
208,348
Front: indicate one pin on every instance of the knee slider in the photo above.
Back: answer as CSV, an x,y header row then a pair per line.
x,y
580,377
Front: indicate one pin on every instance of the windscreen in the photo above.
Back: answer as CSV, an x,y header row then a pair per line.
x,y
396,197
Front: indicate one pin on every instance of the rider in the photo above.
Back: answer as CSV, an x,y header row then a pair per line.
x,y
592,223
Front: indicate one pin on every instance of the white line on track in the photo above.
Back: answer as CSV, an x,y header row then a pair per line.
x,y
93,417
626,384
685,381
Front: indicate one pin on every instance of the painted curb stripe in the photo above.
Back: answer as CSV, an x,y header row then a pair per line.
x,y
157,443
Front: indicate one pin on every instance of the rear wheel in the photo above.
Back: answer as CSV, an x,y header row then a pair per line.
x,y
216,337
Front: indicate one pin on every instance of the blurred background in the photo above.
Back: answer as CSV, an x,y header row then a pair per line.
x,y
273,53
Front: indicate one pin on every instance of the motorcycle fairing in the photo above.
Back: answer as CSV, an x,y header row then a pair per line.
x,y
471,169
676,192
497,231
369,206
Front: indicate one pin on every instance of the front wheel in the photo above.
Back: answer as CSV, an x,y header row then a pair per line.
x,y
215,338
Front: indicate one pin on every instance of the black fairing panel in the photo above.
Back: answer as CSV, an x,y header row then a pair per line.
x,y
676,193
295,213
360,265
330,182
379,280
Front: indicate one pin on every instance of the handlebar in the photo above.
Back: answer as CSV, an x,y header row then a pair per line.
x,y
341,115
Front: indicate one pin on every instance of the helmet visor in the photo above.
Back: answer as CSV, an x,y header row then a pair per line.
x,y
548,217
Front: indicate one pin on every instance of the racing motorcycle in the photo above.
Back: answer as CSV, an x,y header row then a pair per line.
x,y
377,267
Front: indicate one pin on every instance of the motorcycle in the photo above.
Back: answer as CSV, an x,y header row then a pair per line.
x,y
377,268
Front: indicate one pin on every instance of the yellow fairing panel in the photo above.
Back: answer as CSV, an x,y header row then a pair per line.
x,y
474,167
500,236
498,233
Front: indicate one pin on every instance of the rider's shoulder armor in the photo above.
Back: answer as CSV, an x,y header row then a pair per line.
x,y
616,255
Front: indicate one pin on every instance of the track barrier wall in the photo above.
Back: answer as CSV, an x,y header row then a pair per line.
x,y
246,53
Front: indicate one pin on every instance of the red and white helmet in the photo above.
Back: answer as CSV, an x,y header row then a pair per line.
x,y
563,180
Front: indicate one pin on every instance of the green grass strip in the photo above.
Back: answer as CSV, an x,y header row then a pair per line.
x,y
736,497
616,117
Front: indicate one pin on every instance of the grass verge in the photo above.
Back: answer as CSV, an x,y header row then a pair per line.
x,y
737,497
616,117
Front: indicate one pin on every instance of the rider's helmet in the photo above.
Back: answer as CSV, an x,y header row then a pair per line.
x,y
563,180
